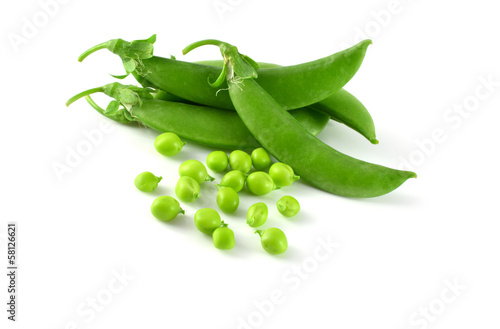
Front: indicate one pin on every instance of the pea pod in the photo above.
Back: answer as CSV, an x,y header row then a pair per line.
x,y
347,109
200,124
341,106
315,161
293,86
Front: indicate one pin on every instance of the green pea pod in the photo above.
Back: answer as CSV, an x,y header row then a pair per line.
x,y
203,125
341,106
293,86
315,161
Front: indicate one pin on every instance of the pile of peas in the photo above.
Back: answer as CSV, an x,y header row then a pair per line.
x,y
207,220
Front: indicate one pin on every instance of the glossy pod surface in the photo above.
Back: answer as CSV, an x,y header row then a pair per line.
x,y
292,86
347,109
315,161
210,126
341,106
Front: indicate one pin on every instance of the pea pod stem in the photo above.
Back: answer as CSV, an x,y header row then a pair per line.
x,y
200,43
93,104
259,232
234,62
137,49
85,54
84,94
221,77
119,116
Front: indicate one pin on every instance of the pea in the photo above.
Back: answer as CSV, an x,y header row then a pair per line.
x,y
282,174
223,237
227,199
257,214
273,240
168,144
187,189
260,183
288,206
196,170
260,159
239,160
234,179
147,182
207,220
217,161
166,208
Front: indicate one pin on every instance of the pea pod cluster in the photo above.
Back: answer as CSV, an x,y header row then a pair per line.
x,y
238,103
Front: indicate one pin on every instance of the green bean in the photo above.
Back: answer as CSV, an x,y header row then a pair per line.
x,y
313,160
207,126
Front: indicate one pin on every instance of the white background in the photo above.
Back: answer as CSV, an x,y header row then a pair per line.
x,y
396,256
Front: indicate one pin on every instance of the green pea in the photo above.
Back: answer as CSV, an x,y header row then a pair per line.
x,y
234,179
166,208
260,159
196,170
217,161
207,220
282,174
257,214
168,144
239,160
227,199
260,183
147,182
273,240
187,189
223,237
288,206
